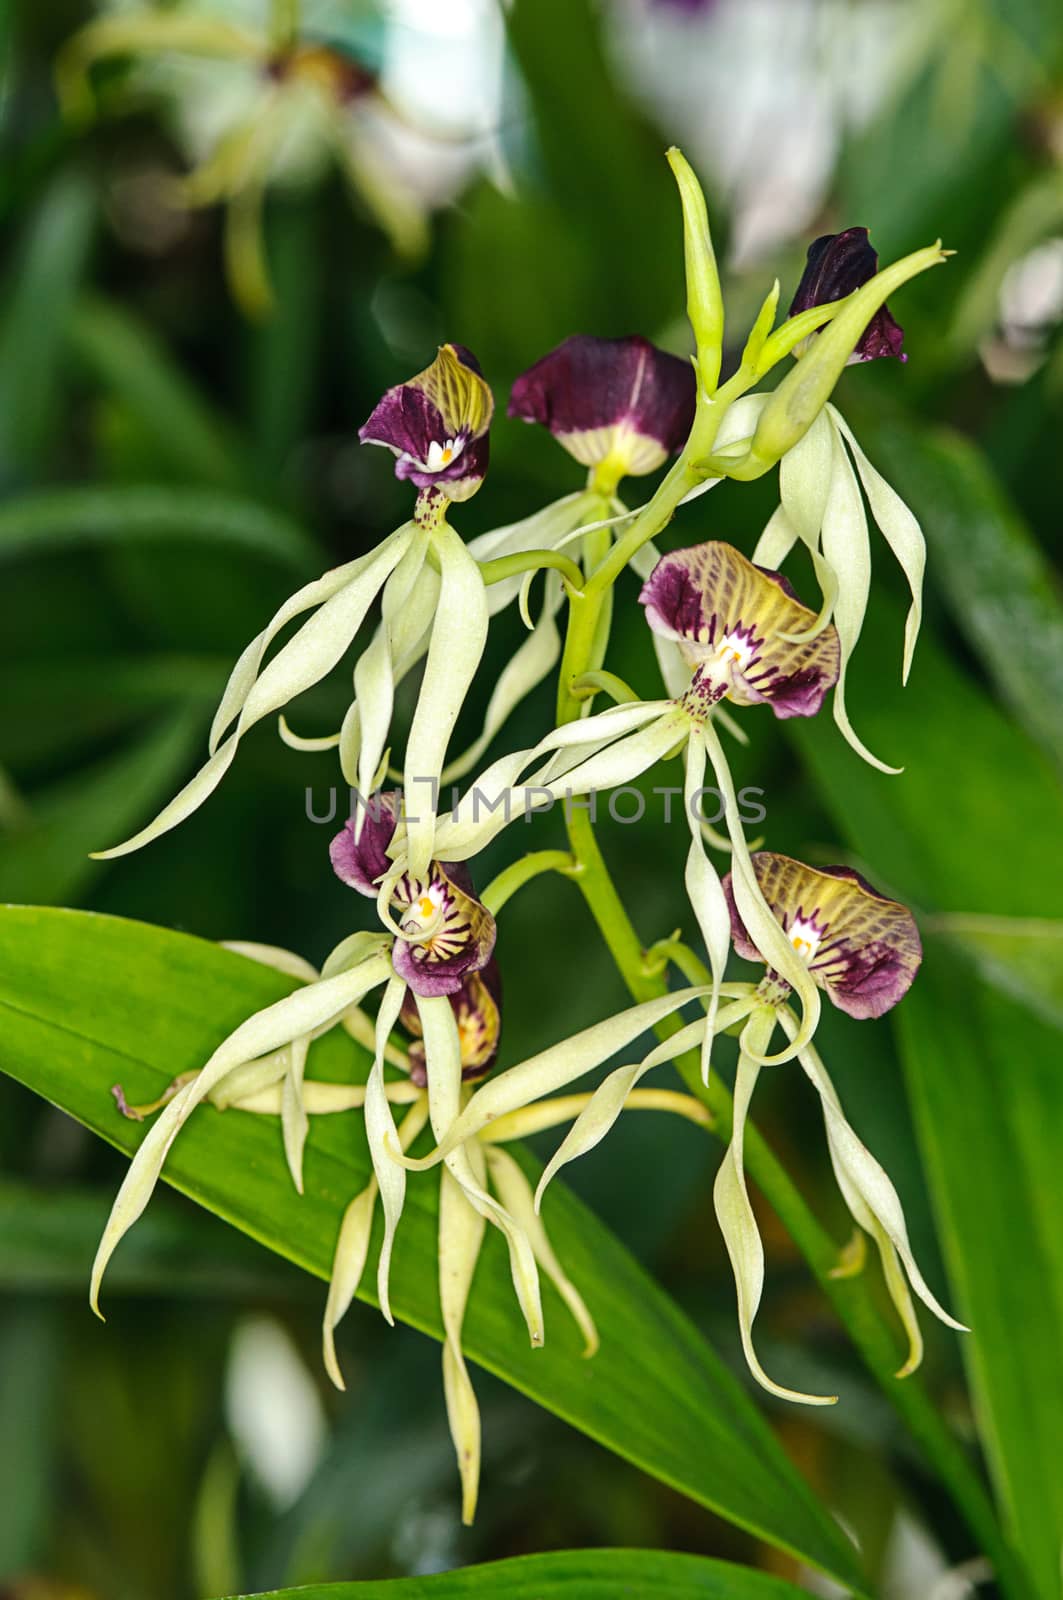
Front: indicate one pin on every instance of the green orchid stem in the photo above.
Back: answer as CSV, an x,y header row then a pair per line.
x,y
531,561
514,877
851,1297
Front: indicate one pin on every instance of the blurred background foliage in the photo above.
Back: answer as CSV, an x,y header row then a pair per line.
x,y
171,469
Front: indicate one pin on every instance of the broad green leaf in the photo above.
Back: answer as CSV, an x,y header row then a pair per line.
x,y
999,587
972,829
128,358
55,520
87,1001
568,1575
1023,956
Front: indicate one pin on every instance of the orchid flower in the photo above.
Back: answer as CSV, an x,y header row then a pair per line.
x,y
749,640
436,424
863,951
255,108
440,983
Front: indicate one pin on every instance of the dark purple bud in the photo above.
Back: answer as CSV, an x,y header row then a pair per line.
x,y
838,263
621,401
862,949
436,425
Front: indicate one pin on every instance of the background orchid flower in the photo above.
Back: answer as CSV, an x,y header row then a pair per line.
x,y
863,950
253,110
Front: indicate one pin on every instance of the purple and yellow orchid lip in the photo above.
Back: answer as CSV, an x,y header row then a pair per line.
x,y
837,264
621,401
477,1008
861,948
436,424
445,933
361,863
729,618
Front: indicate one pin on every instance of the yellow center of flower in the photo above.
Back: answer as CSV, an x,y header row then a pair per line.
x,y
805,937
425,906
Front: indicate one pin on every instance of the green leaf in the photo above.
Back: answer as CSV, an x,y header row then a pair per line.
x,y
568,1575
127,357
55,520
89,1001
972,827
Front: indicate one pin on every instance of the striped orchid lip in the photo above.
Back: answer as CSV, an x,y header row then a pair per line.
x,y
861,948
436,424
740,626
445,933
837,264
620,401
478,1014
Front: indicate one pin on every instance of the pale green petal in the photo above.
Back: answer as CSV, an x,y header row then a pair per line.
x,y
523,672
776,542
350,952
302,662
742,1237
352,1246
272,955
552,1069
293,1114
497,798
298,741
705,893
461,1231
311,595
348,1264
804,480
860,1175
374,677
616,1091
266,1031
443,1064
458,640
380,1129
761,925
515,1193
899,527
847,549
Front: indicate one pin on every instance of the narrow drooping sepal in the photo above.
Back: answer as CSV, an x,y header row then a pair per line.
x,y
477,1008
860,947
617,400
837,264
362,862
731,620
436,424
